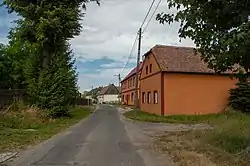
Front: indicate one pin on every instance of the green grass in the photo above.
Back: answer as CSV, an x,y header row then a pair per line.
x,y
189,119
231,133
20,129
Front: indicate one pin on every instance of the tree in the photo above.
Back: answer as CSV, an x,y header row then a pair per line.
x,y
4,69
11,67
219,28
43,31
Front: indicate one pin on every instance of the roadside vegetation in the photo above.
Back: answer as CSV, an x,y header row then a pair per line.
x,y
228,143
21,126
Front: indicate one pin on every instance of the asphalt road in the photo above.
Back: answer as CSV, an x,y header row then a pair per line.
x,y
100,140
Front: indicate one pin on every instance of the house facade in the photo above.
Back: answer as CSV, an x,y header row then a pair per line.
x,y
108,94
128,87
176,81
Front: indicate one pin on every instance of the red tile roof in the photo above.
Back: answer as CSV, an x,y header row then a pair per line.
x,y
179,59
132,72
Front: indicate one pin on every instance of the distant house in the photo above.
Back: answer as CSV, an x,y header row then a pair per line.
x,y
128,85
92,94
108,94
174,80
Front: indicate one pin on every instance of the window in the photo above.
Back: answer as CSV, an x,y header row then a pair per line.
x,y
133,81
132,97
122,98
143,97
146,69
155,97
149,97
150,68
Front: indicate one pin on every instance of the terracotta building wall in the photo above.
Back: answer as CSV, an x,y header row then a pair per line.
x,y
149,61
129,90
127,97
151,84
195,94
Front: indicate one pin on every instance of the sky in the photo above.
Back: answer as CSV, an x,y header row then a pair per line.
x,y
107,36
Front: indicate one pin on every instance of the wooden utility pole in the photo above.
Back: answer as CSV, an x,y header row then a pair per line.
x,y
119,86
92,93
137,71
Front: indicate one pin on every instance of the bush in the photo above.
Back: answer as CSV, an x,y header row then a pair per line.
x,y
240,97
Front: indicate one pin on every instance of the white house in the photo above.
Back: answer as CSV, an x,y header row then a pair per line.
x,y
108,94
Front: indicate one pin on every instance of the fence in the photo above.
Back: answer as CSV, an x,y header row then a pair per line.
x,y
8,96
81,101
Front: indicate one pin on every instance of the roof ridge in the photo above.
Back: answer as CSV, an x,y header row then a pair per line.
x,y
172,46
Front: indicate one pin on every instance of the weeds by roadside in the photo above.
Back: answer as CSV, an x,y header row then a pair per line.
x,y
227,144
25,126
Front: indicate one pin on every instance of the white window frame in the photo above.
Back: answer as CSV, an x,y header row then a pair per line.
x,y
143,97
149,97
155,97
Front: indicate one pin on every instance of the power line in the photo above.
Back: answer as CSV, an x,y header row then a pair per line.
x,y
148,13
130,54
129,57
152,16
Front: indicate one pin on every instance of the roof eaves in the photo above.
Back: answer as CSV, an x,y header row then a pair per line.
x,y
205,73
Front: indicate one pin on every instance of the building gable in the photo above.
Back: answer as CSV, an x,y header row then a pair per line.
x,y
150,66
109,90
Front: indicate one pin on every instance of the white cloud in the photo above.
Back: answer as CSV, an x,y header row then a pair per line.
x,y
109,30
102,78
113,65
4,40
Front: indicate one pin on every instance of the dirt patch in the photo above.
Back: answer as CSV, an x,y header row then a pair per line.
x,y
190,148
182,150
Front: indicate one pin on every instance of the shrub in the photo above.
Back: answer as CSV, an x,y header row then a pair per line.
x,y
240,97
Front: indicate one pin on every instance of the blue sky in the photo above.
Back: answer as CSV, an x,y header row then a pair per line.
x,y
102,48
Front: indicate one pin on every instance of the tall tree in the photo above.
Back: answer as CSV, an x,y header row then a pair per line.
x,y
45,28
4,69
219,28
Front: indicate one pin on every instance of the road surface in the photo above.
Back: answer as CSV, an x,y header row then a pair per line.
x,y
99,140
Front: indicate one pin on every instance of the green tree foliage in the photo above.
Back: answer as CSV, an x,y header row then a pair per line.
x,y
56,88
4,69
219,28
240,97
12,60
41,39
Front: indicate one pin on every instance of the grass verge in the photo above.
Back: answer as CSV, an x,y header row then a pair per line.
x,y
184,119
227,144
23,128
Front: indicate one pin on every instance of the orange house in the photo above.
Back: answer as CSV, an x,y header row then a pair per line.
x,y
128,87
176,81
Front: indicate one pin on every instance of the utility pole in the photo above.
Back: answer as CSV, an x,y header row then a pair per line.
x,y
92,94
137,70
120,88
119,85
